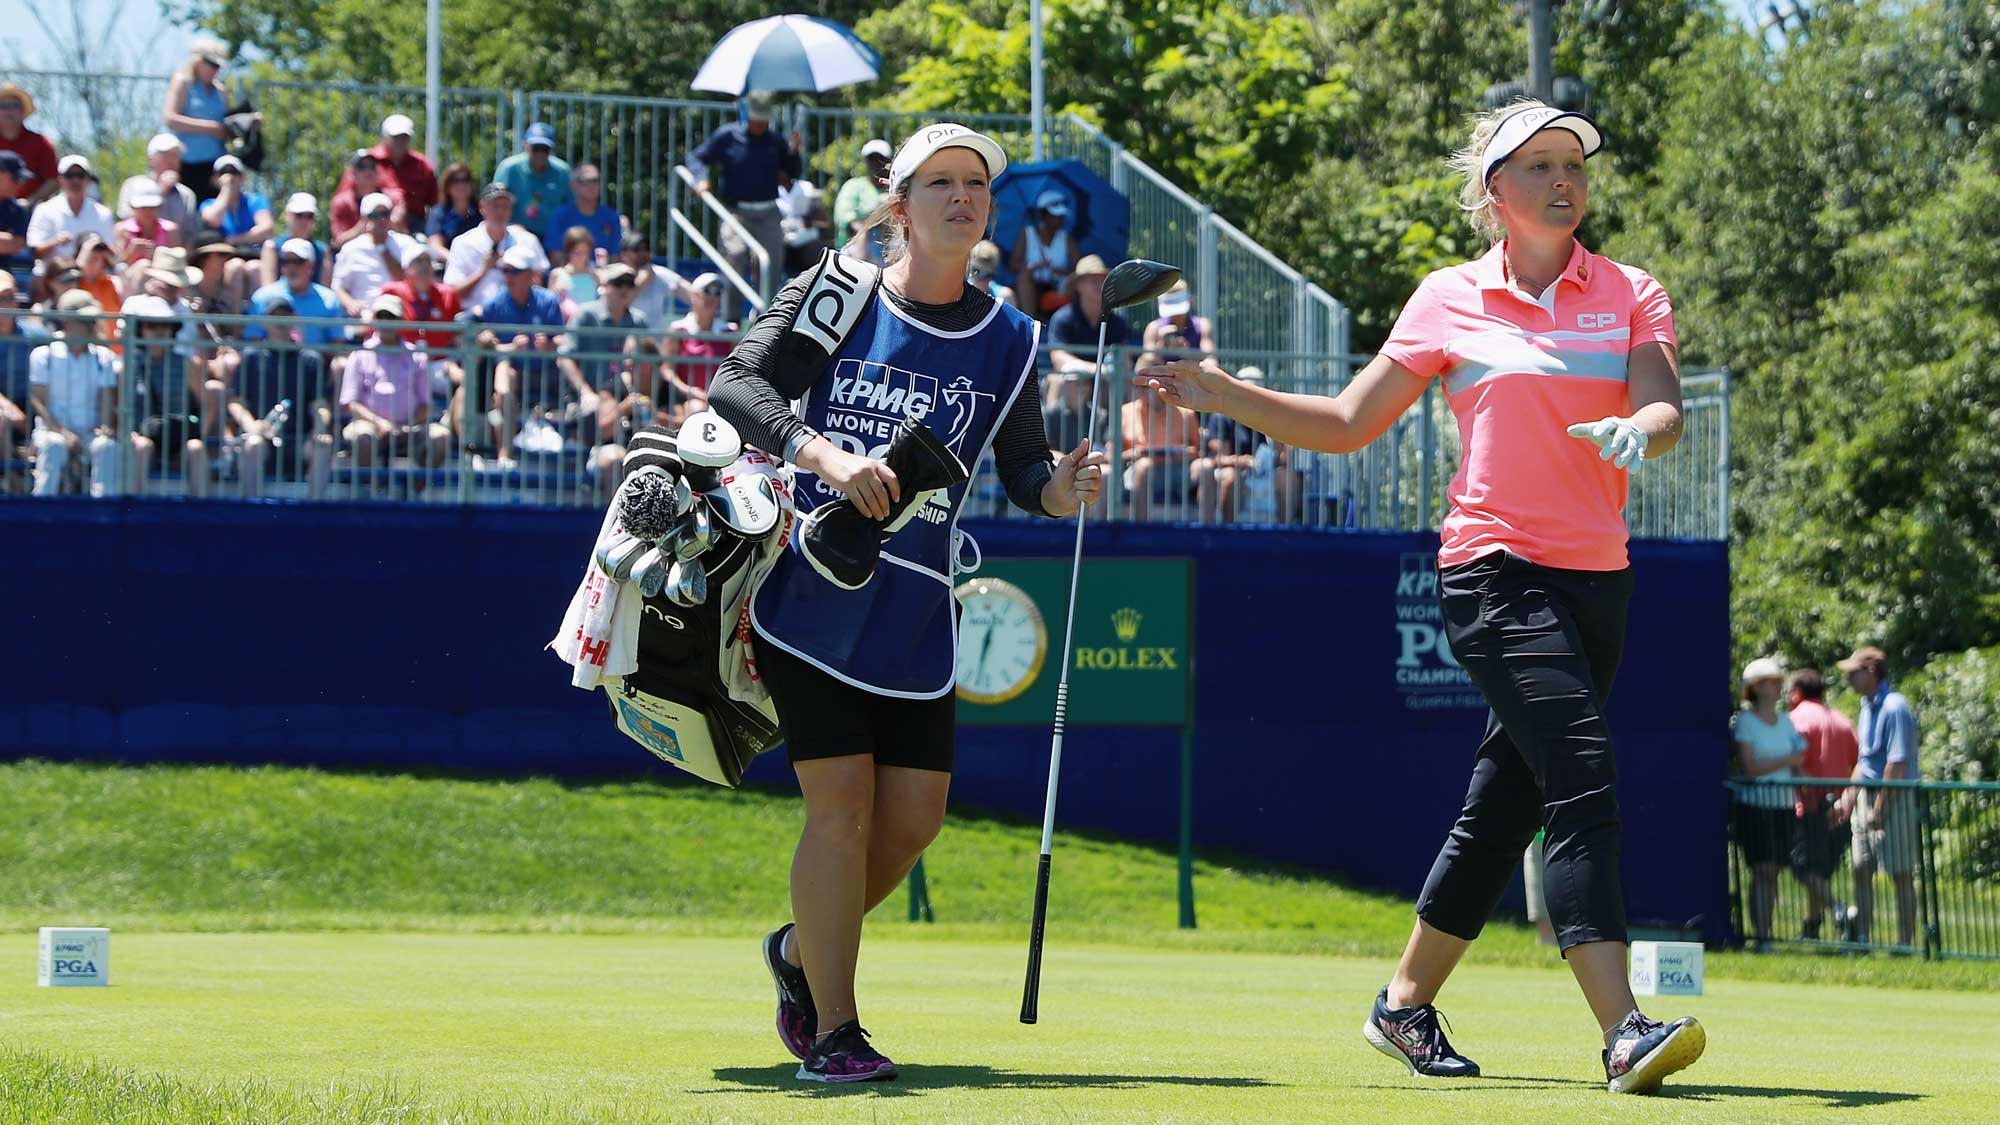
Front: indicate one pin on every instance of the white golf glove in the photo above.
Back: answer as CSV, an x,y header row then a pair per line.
x,y
1620,442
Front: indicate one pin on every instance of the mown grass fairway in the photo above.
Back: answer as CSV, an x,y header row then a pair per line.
x,y
299,947
309,1027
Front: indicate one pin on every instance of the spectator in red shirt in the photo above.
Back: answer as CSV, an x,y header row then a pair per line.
x,y
425,300
363,179
401,173
17,106
1831,751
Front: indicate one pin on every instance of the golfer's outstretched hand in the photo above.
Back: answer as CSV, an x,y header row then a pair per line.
x,y
1197,387
1619,440
1078,480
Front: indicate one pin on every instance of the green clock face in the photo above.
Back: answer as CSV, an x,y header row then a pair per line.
x,y
1001,641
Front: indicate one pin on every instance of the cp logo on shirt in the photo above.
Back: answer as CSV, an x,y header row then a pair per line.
x,y
1596,320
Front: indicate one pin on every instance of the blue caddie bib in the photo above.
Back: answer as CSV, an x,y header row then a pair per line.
x,y
897,635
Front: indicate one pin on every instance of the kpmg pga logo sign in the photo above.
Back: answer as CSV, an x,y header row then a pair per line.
x,y
1427,676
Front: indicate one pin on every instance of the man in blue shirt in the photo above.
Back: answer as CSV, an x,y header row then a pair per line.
x,y
744,166
314,303
604,224
1073,328
1885,820
517,314
539,181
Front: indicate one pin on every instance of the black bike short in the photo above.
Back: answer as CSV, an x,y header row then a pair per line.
x,y
823,717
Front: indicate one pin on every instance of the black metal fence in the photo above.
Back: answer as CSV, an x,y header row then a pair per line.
x,y
1910,867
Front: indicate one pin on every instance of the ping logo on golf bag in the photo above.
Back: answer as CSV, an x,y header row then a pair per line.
x,y
649,732
838,298
663,616
1427,675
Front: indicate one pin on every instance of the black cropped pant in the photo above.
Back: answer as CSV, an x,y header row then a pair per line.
x,y
1543,646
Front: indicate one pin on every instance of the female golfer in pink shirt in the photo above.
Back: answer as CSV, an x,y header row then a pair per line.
x,y
1560,367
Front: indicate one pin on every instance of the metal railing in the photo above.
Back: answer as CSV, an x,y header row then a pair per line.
x,y
534,442
1258,302
1910,867
759,297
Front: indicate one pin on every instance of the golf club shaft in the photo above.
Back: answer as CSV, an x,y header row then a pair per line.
x,y
1031,991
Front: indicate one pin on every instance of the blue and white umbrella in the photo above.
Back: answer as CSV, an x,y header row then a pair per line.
x,y
788,53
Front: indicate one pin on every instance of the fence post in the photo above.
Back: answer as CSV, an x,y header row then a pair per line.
x,y
128,410
1933,933
1207,266
471,413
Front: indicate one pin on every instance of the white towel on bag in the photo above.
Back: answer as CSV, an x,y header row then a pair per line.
x,y
599,638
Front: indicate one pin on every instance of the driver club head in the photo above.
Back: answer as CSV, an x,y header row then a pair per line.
x,y
687,583
1136,279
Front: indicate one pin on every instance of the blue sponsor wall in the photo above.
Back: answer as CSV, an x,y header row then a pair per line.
x,y
1331,731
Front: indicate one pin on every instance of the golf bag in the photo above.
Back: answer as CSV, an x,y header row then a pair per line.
x,y
695,700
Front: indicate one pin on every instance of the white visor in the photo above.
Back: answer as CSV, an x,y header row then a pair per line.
x,y
926,141
1515,130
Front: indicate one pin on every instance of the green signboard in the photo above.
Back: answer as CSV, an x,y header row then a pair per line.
x,y
1131,661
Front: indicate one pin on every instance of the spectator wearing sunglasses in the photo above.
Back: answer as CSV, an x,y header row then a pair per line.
x,y
692,344
57,227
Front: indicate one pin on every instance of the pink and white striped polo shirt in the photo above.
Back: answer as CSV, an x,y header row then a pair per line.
x,y
1517,372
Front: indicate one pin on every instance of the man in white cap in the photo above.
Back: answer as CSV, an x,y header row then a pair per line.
x,y
163,172
745,166
243,216
371,261
692,344
385,394
313,303
525,319
362,179
58,225
405,173
73,386
145,231
473,266
860,195
301,221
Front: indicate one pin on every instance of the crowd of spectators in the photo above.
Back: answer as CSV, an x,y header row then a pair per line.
x,y
582,335
1813,829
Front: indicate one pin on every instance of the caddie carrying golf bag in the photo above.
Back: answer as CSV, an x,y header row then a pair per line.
x,y
707,517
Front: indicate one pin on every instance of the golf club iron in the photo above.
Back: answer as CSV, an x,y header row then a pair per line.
x,y
651,571
692,534
687,583
620,558
1132,281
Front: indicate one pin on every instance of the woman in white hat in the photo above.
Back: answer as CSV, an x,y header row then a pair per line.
x,y
1044,254
1560,365
1762,823
862,676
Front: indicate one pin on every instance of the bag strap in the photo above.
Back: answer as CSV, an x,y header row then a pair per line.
x,y
841,292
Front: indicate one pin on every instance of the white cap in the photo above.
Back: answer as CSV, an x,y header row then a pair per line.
x,y
161,143
1763,668
226,162
1176,301
374,200
146,194
302,203
520,256
926,141
398,125
878,147
296,248
147,305
72,161
1515,130
414,250
388,303
1251,375
705,281
1052,201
